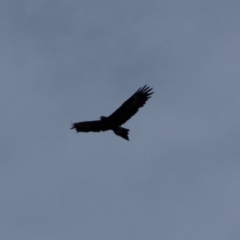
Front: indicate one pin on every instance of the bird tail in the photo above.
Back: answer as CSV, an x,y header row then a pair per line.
x,y
122,132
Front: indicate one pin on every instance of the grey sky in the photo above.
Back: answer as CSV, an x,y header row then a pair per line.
x,y
65,61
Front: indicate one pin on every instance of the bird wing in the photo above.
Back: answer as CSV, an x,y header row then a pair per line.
x,y
90,126
131,106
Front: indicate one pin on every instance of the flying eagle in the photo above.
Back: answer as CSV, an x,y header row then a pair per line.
x,y
119,117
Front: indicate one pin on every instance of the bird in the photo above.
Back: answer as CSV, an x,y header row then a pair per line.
x,y
114,122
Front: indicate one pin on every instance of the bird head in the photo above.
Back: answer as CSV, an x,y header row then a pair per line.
x,y
102,118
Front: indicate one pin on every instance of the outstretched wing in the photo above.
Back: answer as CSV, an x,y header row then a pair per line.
x,y
131,106
90,126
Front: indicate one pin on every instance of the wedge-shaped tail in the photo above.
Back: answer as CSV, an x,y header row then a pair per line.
x,y
122,132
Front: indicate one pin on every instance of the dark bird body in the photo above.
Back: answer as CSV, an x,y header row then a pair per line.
x,y
119,117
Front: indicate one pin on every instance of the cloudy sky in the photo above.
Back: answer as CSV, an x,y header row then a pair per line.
x,y
65,61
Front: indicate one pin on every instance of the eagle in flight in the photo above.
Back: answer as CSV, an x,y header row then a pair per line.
x,y
119,117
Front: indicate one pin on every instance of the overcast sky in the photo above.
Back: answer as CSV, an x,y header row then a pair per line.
x,y
66,61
